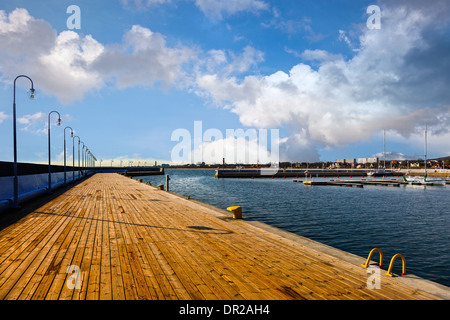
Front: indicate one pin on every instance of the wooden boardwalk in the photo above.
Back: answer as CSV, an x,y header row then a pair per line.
x,y
131,241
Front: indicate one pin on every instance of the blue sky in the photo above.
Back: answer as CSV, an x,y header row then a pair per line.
x,y
138,70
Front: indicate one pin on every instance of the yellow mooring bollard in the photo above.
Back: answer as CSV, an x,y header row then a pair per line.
x,y
160,186
237,211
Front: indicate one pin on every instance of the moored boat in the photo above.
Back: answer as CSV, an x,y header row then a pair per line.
x,y
419,180
379,173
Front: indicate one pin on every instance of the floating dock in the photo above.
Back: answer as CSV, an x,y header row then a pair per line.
x,y
258,173
144,172
292,173
355,183
112,237
352,183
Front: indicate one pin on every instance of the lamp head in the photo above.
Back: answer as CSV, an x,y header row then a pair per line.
x,y
58,122
32,93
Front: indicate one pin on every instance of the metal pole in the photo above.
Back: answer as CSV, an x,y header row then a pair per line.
x,y
16,184
384,148
49,152
65,178
16,181
167,182
65,173
425,151
73,159
82,152
78,155
84,159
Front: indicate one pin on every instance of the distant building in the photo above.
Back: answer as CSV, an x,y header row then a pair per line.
x,y
345,161
367,160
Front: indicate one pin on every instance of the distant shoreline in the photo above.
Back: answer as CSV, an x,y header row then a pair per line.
x,y
412,172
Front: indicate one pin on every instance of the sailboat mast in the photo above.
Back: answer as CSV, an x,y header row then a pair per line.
x,y
384,148
425,150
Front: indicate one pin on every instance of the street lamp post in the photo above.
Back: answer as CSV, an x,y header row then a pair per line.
x,y
82,155
85,160
79,141
71,135
49,152
92,160
16,182
73,158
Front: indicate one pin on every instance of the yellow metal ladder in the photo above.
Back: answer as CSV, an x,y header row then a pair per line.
x,y
391,264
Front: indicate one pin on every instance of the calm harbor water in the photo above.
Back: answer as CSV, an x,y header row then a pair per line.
x,y
411,220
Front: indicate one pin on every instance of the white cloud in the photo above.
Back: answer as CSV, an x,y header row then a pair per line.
x,y
224,64
319,55
143,59
291,27
30,118
397,80
252,149
241,63
37,123
58,64
243,150
394,155
33,122
66,69
298,148
3,116
343,37
215,59
68,65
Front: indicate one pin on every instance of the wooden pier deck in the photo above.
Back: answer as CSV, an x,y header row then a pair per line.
x,y
130,241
